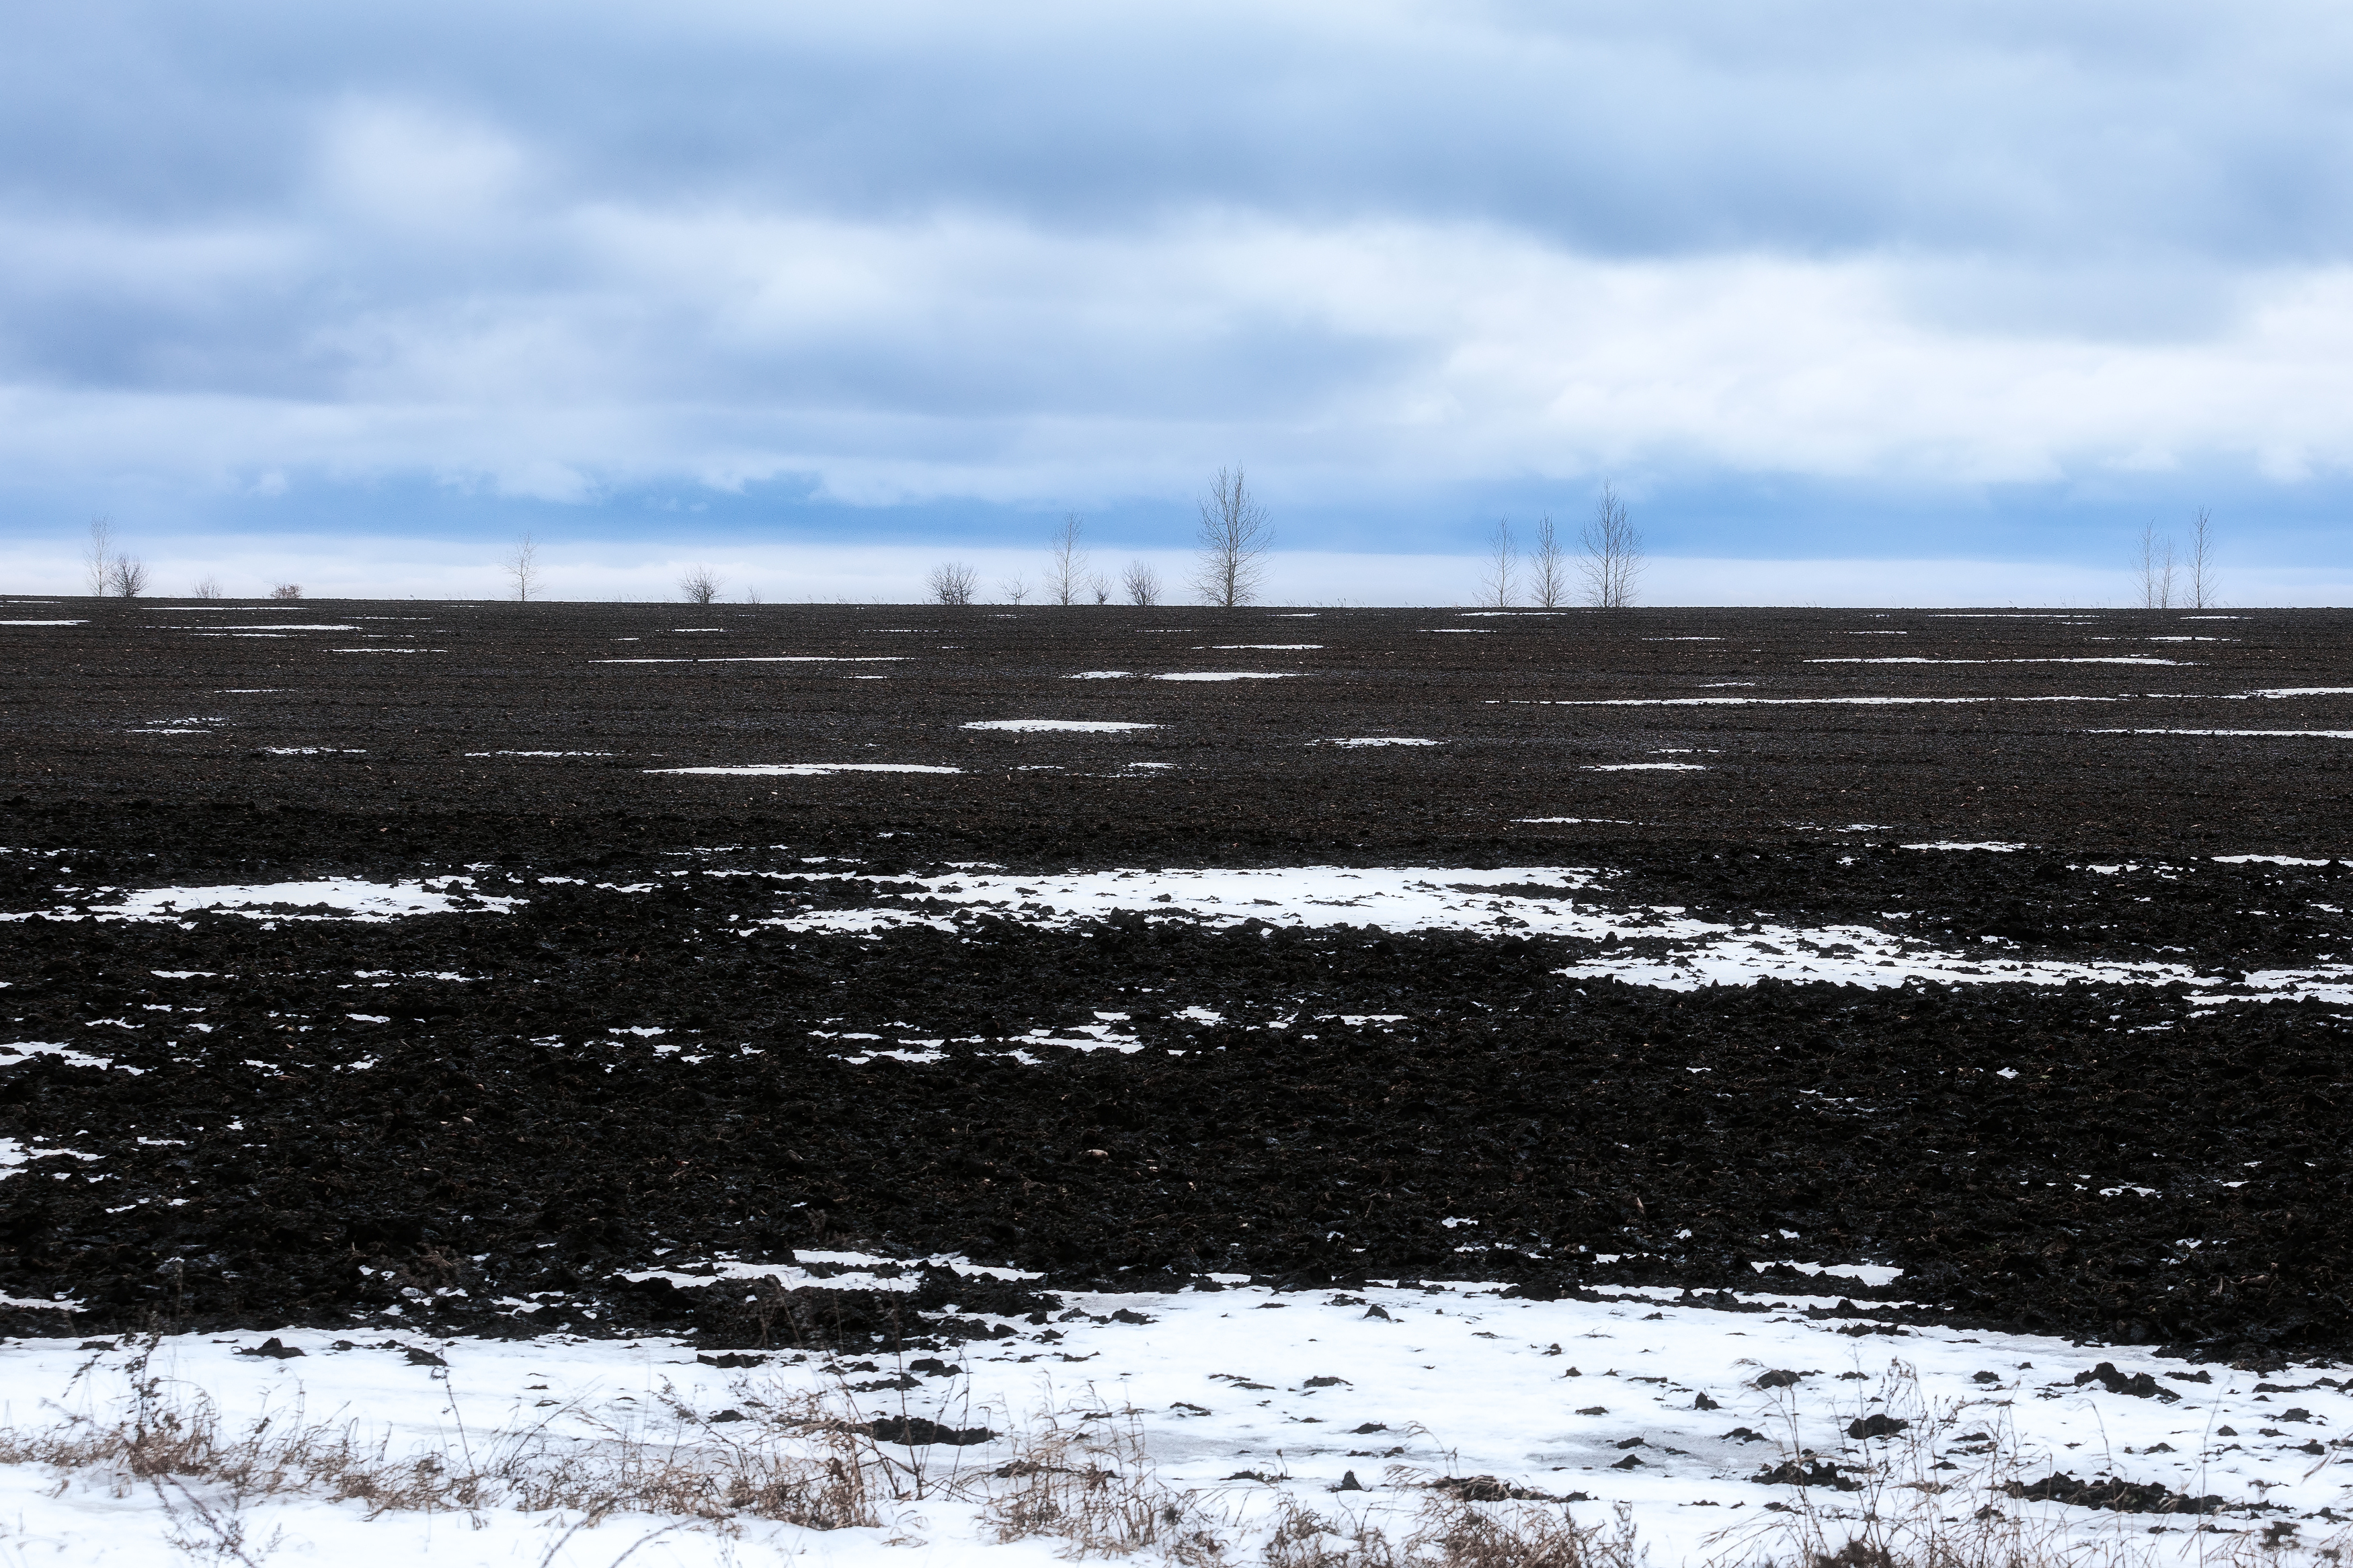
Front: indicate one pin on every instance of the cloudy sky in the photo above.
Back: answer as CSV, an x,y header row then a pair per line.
x,y
1993,285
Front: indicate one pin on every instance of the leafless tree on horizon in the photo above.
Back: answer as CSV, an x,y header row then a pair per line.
x,y
1612,558
1140,583
2202,560
98,559
522,566
1548,568
205,588
2159,572
1236,534
1016,590
109,572
1496,584
287,591
952,582
701,584
1066,572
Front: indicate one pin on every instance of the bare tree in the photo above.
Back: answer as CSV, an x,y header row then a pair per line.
x,y
752,597
1496,584
2202,560
98,560
1235,537
701,584
952,582
1016,590
287,591
127,577
1066,572
1548,568
2159,572
207,588
521,565
1612,554
1100,586
1140,583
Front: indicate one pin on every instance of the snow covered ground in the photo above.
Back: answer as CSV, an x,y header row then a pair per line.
x,y
1658,945
1241,1398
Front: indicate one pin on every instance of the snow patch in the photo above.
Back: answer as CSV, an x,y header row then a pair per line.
x,y
811,770
1076,726
328,899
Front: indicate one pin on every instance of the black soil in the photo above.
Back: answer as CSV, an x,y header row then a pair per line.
x,y
465,1115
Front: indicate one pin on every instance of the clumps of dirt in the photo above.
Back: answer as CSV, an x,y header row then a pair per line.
x,y
762,1314
2117,1496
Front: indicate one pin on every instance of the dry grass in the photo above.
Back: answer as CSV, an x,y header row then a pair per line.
x,y
1448,1532
1081,1477
1916,1509
796,1461
1090,1483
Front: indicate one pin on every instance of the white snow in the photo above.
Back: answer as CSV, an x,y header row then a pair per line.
x,y
1101,675
1551,1396
16,1156
1266,646
1955,844
1782,701
1377,741
2314,735
1658,945
1079,726
327,898
811,770
1231,674
1646,767
44,622
2115,659
539,753
768,659
1874,1275
26,1050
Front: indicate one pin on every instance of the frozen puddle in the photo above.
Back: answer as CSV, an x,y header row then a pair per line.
x,y
1644,1412
1659,946
811,770
329,899
1075,726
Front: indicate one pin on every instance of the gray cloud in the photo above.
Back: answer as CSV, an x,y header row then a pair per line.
x,y
923,249
1618,128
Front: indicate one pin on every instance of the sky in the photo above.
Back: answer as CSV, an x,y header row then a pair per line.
x,y
1849,302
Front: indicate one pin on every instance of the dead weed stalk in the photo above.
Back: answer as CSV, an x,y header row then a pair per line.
x,y
1084,1476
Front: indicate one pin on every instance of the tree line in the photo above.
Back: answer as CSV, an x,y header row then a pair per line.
x,y
1235,535
1598,566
